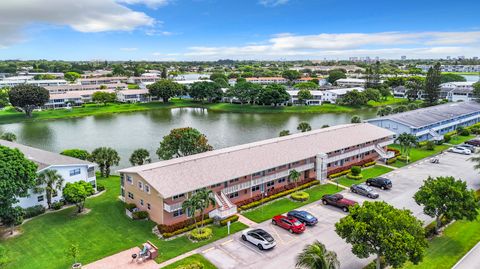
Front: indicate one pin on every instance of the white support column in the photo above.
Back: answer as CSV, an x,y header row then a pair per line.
x,y
321,167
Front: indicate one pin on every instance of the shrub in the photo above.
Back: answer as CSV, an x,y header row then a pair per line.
x,y
193,265
403,158
464,132
369,164
373,265
356,177
130,207
201,234
100,187
300,196
430,230
33,211
232,219
391,160
57,205
140,215
356,170
430,145
344,172
181,227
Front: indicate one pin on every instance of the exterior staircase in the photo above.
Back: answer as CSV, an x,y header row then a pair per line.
x,y
436,136
225,208
383,153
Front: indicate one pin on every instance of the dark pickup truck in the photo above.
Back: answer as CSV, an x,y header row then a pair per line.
x,y
337,200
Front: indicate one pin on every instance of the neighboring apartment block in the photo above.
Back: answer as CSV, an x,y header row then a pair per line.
x,y
431,123
70,169
325,96
241,172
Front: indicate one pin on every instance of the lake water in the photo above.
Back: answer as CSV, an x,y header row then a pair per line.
x,y
472,77
126,132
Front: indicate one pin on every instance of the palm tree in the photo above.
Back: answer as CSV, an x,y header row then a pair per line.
x,y
294,175
191,205
384,111
406,141
304,127
49,181
105,157
206,198
139,157
316,256
284,133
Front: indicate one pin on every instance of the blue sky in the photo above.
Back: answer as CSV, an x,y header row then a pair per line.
x,y
242,29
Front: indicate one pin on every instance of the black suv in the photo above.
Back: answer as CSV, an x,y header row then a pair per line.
x,y
380,182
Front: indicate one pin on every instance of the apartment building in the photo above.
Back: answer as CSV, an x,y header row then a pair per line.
x,y
71,170
457,91
72,98
18,80
80,87
102,80
350,82
322,96
134,96
238,173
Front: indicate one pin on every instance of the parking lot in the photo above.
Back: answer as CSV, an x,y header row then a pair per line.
x,y
232,252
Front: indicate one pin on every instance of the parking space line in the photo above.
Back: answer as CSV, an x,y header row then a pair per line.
x,y
226,242
208,249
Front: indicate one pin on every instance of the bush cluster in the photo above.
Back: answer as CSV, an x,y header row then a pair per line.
x,y
355,170
34,211
140,215
130,206
391,160
339,174
369,164
57,205
300,196
201,234
356,177
403,158
181,230
232,219
277,195
100,187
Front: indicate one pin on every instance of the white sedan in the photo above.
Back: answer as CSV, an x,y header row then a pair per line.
x,y
460,150
259,238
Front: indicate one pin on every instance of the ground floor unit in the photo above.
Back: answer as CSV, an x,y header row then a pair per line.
x,y
246,173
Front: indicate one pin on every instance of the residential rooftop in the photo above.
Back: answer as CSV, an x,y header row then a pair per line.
x,y
44,158
431,115
184,174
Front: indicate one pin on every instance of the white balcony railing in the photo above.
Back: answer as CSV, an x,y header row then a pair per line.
x,y
172,207
358,151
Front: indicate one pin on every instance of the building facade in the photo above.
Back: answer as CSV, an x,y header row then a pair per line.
x,y
239,173
71,170
431,123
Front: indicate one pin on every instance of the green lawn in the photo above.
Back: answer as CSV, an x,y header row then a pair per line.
x,y
102,232
190,259
448,249
458,139
367,173
325,108
462,73
390,101
418,154
284,205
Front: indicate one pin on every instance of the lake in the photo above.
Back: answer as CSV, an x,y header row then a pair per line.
x,y
126,132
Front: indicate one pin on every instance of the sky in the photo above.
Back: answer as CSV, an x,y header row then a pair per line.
x,y
182,30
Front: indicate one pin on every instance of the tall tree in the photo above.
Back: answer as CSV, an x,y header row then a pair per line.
x,y
205,90
165,89
294,175
304,95
406,142
306,86
105,157
190,207
414,86
4,98
432,84
17,176
206,199
50,182
71,76
291,75
372,94
164,73
140,157
384,111
76,153
380,229
28,97
334,75
304,127
77,192
182,142
273,94
316,256
104,97
245,92
354,98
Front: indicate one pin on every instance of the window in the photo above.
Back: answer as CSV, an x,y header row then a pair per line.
x,y
130,195
148,206
40,198
147,188
271,183
233,195
256,188
257,174
129,179
270,170
281,180
178,196
177,213
141,201
75,172
140,185
234,180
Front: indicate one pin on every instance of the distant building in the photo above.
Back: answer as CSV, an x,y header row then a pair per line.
x,y
134,96
80,87
452,68
322,96
69,168
102,80
18,80
350,82
457,91
431,123
403,58
72,98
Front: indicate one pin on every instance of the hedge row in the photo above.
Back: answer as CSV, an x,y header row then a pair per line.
x,y
278,195
232,219
185,229
391,160
369,164
339,174
163,228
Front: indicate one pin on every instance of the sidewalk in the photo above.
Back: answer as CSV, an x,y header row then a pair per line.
x,y
122,260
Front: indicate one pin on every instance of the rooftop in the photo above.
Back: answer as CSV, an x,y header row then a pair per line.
x,y
430,115
180,175
44,158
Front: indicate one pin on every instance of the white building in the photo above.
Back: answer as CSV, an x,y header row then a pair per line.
x,y
267,80
457,91
350,82
18,80
71,170
452,68
134,96
80,87
319,97
316,100
102,80
72,98
333,95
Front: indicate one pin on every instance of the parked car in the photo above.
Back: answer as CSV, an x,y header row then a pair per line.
x,y
380,182
473,142
460,150
303,216
364,190
467,146
259,238
337,200
291,224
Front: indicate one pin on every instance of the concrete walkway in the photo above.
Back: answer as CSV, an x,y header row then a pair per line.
x,y
470,260
245,220
122,260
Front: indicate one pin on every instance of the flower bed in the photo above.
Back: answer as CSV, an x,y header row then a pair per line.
x,y
300,196
200,234
351,176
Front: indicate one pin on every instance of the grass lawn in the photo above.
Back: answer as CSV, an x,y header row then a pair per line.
x,y
191,259
325,108
390,101
446,250
284,205
462,73
458,139
102,232
418,154
367,173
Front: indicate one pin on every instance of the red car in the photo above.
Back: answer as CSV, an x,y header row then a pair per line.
x,y
338,200
291,224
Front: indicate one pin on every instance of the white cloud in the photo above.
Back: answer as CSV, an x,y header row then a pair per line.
x,y
272,3
149,3
82,16
128,49
384,44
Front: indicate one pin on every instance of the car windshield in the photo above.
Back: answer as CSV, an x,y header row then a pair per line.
x,y
296,223
367,188
308,216
265,235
